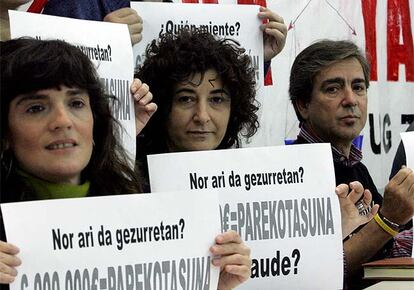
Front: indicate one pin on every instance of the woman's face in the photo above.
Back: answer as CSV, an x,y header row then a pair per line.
x,y
51,133
200,113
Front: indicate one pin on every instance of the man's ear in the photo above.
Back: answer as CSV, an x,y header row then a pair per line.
x,y
302,108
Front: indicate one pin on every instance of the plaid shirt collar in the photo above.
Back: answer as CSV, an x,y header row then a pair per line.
x,y
355,155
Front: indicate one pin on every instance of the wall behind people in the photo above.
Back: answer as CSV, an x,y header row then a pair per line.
x,y
385,30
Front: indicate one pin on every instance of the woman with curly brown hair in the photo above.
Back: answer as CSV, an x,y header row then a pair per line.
x,y
180,69
205,91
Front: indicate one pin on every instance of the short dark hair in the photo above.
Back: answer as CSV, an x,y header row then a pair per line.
x,y
28,65
174,58
313,59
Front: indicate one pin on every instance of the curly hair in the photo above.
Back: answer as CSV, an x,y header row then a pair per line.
x,y
28,65
174,58
313,59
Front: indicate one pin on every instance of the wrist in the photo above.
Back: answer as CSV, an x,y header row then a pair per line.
x,y
386,225
391,223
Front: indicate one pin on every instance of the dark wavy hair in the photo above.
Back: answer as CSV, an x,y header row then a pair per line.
x,y
28,65
174,58
313,59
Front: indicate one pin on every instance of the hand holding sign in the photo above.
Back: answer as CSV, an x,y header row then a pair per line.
x,y
233,256
131,18
398,204
350,215
144,108
8,260
275,32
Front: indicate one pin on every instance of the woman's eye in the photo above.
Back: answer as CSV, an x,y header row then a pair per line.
x,y
77,104
185,99
35,109
217,99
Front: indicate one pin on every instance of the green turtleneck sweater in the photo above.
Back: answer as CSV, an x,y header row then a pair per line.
x,y
47,190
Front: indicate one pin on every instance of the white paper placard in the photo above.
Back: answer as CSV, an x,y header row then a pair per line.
x,y
280,199
226,21
408,141
152,241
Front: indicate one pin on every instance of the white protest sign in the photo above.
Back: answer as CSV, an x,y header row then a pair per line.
x,y
408,141
282,202
227,21
137,241
107,45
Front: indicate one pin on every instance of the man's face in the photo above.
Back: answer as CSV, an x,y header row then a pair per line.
x,y
338,108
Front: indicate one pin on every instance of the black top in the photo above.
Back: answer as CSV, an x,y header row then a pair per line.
x,y
357,172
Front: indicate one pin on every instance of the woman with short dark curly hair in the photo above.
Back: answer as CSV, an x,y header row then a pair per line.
x,y
175,68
